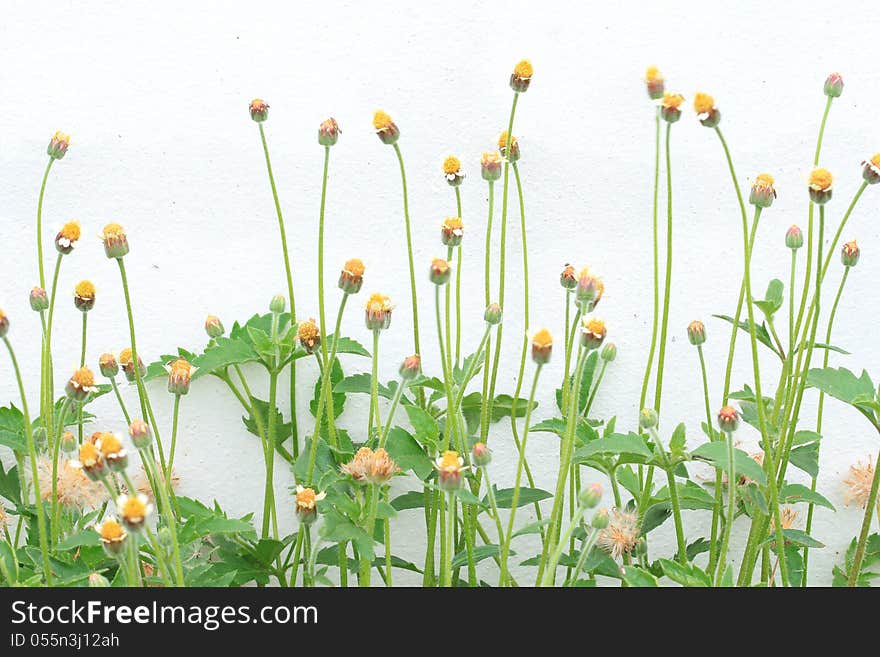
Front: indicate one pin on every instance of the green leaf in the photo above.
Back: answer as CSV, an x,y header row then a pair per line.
x,y
414,499
761,333
677,441
407,453
617,443
459,372
338,397
772,299
531,528
337,528
361,383
686,575
481,552
79,539
796,537
806,458
794,493
715,453
795,563
550,425
10,486
12,429
282,429
426,427
348,346
504,497
503,407
636,577
841,383
263,344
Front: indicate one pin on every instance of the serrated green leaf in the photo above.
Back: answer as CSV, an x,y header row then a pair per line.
x,y
841,383
636,577
794,493
407,453
686,575
414,499
614,444
426,427
715,454
761,333
504,497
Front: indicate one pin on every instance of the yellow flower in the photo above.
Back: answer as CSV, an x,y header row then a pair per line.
x,y
352,276
115,240
703,103
382,120
451,165
820,180
378,314
112,535
763,193
652,74
654,83
81,384
542,346
672,101
134,510
309,335
84,296
68,236
180,373
305,500
523,69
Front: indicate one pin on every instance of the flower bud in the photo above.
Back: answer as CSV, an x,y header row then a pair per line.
x,y
352,276
833,85
452,231
794,237
309,335
493,314
871,170
41,439
328,132
589,290
514,147
763,192
542,346
277,304
411,367
81,385
180,374
306,504
820,185
670,107
568,278
259,110
84,296
648,418
707,113
58,145
590,496
452,171
98,581
67,237
213,326
696,333
140,434
115,241
654,83
68,442
609,352
592,333
490,166
440,271
600,519
481,455
39,299
126,362
112,538
133,510
728,419
849,254
386,129
521,77
4,324
378,312
449,467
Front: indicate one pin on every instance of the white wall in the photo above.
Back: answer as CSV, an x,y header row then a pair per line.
x,y
156,100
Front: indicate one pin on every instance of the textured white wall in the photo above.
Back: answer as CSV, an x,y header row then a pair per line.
x,y
156,100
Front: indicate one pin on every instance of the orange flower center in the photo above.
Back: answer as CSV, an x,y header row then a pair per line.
x,y
307,331
820,179
449,461
71,231
382,120
653,74
88,454
83,377
112,531
85,290
542,339
114,231
305,499
703,103
354,267
110,444
133,508
523,69
451,165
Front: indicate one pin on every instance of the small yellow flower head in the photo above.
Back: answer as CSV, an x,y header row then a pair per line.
x,y
833,85
858,483
259,110
593,333
871,170
115,240
112,450
728,419
67,237
81,385
58,145
38,299
309,335
351,278
670,107
696,331
452,231
449,467
490,166
514,146
378,316
452,171
127,364
386,129
180,373
763,193
849,254
521,76
542,346
306,501
91,461
654,82
707,113
589,290
213,327
133,509
84,296
359,466
4,324
112,536
382,468
440,271
411,367
820,185
328,132
568,278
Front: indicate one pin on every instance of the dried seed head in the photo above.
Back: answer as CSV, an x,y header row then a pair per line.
x,y
359,466
382,467
621,536
858,483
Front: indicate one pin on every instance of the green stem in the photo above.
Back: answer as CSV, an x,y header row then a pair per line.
x,y
48,372
447,307
150,464
484,406
115,387
409,251
328,365
375,422
40,221
82,362
716,509
669,468
269,492
174,418
664,324
32,453
55,442
458,287
791,301
450,524
395,401
589,541
563,541
731,507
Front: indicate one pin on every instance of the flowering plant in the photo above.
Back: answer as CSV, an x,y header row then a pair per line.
x,y
84,505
